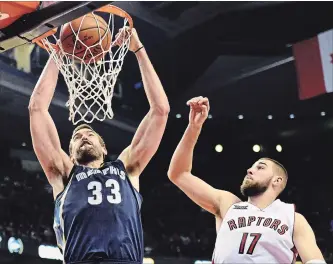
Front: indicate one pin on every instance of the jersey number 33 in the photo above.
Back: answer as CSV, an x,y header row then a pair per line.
x,y
96,190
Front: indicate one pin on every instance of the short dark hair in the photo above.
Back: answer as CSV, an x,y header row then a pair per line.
x,y
279,165
83,126
281,169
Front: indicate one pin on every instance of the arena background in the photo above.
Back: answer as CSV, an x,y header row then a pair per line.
x,y
239,55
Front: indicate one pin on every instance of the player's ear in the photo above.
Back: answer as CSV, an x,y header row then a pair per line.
x,y
105,152
278,180
72,159
70,153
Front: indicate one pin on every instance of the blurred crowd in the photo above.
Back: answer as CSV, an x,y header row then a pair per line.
x,y
26,204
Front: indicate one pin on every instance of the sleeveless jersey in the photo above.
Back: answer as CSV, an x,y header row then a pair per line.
x,y
252,235
97,216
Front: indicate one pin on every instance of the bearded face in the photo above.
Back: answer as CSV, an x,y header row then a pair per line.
x,y
87,152
86,147
257,179
250,187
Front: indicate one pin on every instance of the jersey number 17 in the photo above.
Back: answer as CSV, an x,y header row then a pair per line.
x,y
256,237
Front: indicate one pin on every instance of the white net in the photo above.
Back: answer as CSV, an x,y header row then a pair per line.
x,y
91,73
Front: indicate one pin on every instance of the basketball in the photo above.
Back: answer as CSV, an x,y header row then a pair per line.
x,y
89,33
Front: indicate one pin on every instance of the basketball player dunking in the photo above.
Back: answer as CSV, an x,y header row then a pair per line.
x,y
261,230
97,205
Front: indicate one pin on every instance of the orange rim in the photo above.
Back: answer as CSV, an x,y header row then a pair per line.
x,y
39,40
116,11
107,9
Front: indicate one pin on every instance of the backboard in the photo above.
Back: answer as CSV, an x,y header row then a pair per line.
x,y
48,15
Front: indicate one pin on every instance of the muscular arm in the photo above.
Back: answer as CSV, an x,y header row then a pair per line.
x,y
54,161
305,241
213,200
149,133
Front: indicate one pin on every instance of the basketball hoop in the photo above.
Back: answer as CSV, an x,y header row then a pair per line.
x,y
90,78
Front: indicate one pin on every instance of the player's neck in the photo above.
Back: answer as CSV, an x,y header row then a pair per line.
x,y
93,164
263,200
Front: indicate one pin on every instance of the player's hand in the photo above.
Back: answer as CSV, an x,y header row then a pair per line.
x,y
123,35
199,109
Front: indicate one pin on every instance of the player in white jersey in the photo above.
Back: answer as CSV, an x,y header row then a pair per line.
x,y
261,230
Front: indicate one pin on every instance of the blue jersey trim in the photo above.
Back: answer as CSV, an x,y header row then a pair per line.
x,y
69,179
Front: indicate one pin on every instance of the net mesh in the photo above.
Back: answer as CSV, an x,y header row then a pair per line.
x,y
91,78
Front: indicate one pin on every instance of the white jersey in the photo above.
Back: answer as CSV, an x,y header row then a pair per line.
x,y
249,234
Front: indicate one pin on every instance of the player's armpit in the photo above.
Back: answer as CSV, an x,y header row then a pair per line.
x,y
213,200
305,240
54,161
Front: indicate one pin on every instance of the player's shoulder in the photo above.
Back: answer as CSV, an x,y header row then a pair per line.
x,y
282,204
228,197
226,201
299,218
301,225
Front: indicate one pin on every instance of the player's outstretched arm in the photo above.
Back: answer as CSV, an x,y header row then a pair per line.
x,y
150,131
54,161
209,198
305,242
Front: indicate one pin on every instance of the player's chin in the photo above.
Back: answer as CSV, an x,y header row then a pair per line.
x,y
246,185
87,155
242,188
247,191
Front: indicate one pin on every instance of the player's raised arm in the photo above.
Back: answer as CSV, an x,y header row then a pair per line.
x,y
179,173
149,133
54,161
305,242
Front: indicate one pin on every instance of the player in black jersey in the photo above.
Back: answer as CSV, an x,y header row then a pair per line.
x,y
97,205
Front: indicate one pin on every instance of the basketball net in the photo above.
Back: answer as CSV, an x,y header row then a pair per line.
x,y
90,84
